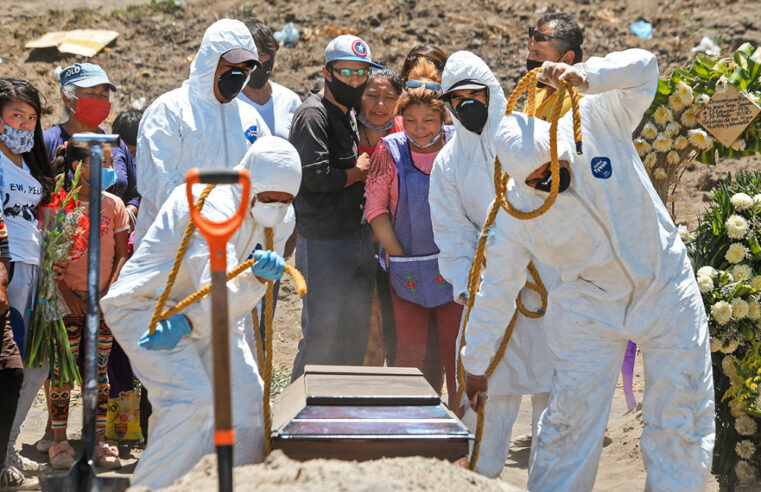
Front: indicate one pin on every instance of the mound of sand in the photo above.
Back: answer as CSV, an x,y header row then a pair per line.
x,y
282,474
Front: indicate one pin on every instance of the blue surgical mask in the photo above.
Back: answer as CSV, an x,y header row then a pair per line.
x,y
107,178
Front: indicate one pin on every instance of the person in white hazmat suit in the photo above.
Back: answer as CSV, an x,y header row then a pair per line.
x,y
200,124
624,275
175,364
461,192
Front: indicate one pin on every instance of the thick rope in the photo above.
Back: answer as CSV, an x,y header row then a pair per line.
x,y
501,179
267,373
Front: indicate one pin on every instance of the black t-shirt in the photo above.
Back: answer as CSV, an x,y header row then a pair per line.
x,y
327,142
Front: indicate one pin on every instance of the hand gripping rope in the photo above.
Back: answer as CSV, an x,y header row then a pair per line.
x,y
527,83
159,314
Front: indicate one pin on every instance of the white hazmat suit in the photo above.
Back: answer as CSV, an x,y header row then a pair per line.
x,y
625,275
462,189
179,381
188,127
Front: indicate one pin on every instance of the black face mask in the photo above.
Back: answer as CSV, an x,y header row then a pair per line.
x,y
472,114
261,75
345,94
532,64
230,83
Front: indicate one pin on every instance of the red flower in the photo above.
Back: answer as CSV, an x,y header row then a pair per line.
x,y
410,284
440,279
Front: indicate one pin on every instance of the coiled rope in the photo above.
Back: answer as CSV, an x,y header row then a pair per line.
x,y
527,83
264,354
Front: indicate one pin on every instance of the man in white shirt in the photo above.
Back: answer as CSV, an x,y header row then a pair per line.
x,y
275,103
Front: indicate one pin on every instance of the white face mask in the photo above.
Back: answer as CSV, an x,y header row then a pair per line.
x,y
269,214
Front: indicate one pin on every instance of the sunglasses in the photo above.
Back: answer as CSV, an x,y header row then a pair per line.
x,y
348,72
539,36
431,86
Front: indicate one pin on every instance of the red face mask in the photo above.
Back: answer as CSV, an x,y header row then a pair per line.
x,y
92,112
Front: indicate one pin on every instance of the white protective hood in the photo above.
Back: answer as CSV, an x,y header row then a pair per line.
x,y
274,165
188,127
461,192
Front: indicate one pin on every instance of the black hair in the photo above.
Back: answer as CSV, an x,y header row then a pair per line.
x,y
263,38
16,89
66,155
430,51
390,75
126,125
567,33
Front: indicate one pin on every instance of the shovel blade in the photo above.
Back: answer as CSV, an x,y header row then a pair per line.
x,y
82,477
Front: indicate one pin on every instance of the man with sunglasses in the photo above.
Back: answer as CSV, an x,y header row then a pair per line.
x,y
555,38
334,246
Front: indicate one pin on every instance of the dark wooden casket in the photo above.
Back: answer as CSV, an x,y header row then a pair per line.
x,y
363,413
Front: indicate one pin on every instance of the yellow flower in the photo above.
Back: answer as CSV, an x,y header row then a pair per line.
x,y
642,146
673,158
722,312
715,344
735,253
650,159
649,131
741,273
662,116
660,173
736,225
708,271
729,347
681,142
741,201
699,138
662,143
728,366
754,313
675,103
756,282
738,145
740,308
690,117
672,129
685,93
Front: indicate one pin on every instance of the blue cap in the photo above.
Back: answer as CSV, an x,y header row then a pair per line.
x,y
349,48
85,75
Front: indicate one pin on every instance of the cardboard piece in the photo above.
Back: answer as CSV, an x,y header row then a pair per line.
x,y
727,115
82,42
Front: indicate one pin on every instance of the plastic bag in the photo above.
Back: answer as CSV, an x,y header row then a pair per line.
x,y
123,421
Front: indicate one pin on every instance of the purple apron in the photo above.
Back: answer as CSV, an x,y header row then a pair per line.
x,y
415,277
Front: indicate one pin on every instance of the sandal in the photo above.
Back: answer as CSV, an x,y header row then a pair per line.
x,y
43,445
61,455
107,456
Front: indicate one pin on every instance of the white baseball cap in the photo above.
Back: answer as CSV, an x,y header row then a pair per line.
x,y
349,48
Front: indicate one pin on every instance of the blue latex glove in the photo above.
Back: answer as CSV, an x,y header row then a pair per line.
x,y
168,334
269,265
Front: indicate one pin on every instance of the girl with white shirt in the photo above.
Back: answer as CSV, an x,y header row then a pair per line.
x,y
27,182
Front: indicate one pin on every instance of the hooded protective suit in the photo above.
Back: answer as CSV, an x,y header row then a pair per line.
x,y
188,127
179,380
625,275
461,192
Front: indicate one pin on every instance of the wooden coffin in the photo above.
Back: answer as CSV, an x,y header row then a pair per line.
x,y
363,413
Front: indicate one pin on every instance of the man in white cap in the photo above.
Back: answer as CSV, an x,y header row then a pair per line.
x,y
200,124
175,364
334,249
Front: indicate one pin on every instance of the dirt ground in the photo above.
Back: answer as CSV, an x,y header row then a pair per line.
x,y
158,40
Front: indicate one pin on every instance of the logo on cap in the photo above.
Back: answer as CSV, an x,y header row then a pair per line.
x,y
359,48
71,71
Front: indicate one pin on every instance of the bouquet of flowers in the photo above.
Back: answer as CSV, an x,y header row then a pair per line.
x,y
669,136
65,227
727,259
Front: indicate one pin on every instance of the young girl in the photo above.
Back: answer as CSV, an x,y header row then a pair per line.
x,y
27,182
114,230
397,209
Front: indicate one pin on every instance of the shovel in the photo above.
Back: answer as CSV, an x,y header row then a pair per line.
x,y
82,476
217,234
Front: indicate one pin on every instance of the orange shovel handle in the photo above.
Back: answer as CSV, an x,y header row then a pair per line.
x,y
218,233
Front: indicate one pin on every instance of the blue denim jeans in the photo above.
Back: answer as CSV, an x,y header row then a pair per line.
x,y
340,277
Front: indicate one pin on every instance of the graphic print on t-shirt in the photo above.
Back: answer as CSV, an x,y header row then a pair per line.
x,y
27,211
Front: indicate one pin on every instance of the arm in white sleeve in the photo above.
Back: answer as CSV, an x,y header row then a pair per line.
x,y
159,145
502,279
628,81
453,232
